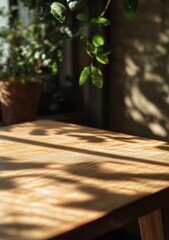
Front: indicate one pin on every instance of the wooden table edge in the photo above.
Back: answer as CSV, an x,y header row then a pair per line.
x,y
118,218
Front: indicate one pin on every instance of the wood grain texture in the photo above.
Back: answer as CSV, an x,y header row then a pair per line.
x,y
64,181
154,225
165,221
151,226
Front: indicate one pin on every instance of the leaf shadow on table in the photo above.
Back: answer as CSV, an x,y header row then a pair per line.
x,y
81,150
80,168
13,230
77,131
95,171
164,147
95,192
101,198
7,183
10,164
84,133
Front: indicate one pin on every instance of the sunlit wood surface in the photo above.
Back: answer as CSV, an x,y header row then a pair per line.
x,y
59,179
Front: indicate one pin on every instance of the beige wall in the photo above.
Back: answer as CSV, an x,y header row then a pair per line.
x,y
139,71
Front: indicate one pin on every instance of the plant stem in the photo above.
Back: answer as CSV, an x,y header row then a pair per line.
x,y
105,8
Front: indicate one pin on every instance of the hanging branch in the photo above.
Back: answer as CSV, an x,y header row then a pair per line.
x,y
105,9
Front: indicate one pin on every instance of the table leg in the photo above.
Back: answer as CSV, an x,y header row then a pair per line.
x,y
153,226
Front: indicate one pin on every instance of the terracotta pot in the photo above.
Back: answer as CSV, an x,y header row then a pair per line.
x,y
19,102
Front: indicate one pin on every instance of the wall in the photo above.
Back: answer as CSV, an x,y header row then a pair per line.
x,y
137,88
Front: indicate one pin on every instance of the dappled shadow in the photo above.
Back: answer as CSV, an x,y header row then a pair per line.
x,y
83,169
91,135
56,187
129,139
84,151
9,164
139,68
39,132
14,230
147,82
88,138
164,147
19,165
100,199
7,183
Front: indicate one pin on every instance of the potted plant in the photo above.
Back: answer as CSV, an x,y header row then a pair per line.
x,y
29,56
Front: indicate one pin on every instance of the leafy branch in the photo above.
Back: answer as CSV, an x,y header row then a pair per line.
x,y
96,46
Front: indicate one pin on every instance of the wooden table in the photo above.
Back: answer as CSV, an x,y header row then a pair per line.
x,y
67,182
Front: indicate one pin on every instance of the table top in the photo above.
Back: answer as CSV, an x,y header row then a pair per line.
x,y
73,182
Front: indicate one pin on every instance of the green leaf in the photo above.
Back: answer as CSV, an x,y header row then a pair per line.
x,y
129,8
90,49
98,40
102,50
84,75
41,12
82,17
95,51
73,4
97,77
59,11
103,59
100,21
